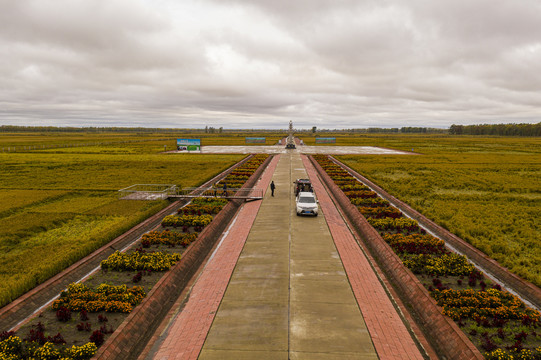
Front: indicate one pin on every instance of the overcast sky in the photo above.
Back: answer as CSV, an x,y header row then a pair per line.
x,y
260,63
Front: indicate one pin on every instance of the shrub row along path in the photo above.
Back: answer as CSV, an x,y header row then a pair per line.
x,y
281,286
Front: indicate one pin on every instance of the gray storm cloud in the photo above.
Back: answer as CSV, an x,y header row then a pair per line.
x,y
258,63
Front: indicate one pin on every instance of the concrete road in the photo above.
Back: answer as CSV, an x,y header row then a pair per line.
x,y
277,288
289,296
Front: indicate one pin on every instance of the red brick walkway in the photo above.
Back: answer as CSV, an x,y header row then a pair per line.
x,y
389,334
187,334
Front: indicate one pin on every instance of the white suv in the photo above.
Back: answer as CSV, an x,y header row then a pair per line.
x,y
306,204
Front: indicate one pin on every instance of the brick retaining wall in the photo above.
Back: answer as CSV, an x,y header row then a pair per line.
x,y
130,338
444,335
522,287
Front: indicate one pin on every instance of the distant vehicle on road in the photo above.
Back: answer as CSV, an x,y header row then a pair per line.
x,y
306,204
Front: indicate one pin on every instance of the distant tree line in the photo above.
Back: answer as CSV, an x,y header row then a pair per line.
x,y
485,129
43,129
212,130
406,130
497,129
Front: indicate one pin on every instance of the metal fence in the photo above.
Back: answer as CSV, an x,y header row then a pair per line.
x,y
148,192
244,193
165,191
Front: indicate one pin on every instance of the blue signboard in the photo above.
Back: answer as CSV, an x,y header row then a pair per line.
x,y
255,140
189,144
326,140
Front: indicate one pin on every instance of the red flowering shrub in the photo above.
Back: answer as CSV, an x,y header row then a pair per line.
x,y
63,314
97,338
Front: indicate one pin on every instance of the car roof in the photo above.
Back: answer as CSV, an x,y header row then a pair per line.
x,y
306,181
306,194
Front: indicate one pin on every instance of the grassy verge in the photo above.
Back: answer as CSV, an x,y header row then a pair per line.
x,y
485,190
56,208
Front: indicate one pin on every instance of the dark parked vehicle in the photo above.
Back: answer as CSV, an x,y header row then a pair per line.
x,y
303,185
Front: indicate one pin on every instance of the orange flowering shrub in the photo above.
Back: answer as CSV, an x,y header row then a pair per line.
x,y
105,297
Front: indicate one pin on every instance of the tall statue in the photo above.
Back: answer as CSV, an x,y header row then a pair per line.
x,y
290,143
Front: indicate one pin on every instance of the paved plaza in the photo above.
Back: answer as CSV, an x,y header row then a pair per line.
x,y
301,149
280,286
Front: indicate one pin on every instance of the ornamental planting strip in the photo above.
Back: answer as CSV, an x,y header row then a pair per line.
x,y
120,299
497,322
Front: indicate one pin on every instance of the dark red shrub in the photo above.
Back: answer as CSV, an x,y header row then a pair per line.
x,y
102,318
106,330
487,344
6,334
137,277
57,339
63,314
83,315
482,285
84,326
517,346
498,322
97,338
528,320
36,334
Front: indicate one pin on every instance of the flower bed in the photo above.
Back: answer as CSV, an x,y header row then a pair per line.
x,y
109,298
13,348
140,260
166,237
186,220
497,322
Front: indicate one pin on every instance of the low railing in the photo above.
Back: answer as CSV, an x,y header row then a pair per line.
x,y
148,192
233,193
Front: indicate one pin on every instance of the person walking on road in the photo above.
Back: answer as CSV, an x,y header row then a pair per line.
x,y
272,186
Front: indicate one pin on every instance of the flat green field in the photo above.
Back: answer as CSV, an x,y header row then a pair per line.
x,y
58,205
486,190
109,143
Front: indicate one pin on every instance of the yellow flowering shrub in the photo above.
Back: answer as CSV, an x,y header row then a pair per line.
x,y
140,260
47,352
11,345
106,297
83,352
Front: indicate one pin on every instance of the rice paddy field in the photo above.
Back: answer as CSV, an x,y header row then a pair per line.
x,y
60,203
487,190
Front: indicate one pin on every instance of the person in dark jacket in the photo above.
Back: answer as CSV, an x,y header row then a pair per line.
x,y
272,187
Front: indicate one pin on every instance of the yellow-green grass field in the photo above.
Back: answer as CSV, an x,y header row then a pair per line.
x,y
130,143
57,207
486,190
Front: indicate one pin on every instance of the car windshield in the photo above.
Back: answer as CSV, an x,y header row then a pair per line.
x,y
307,200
